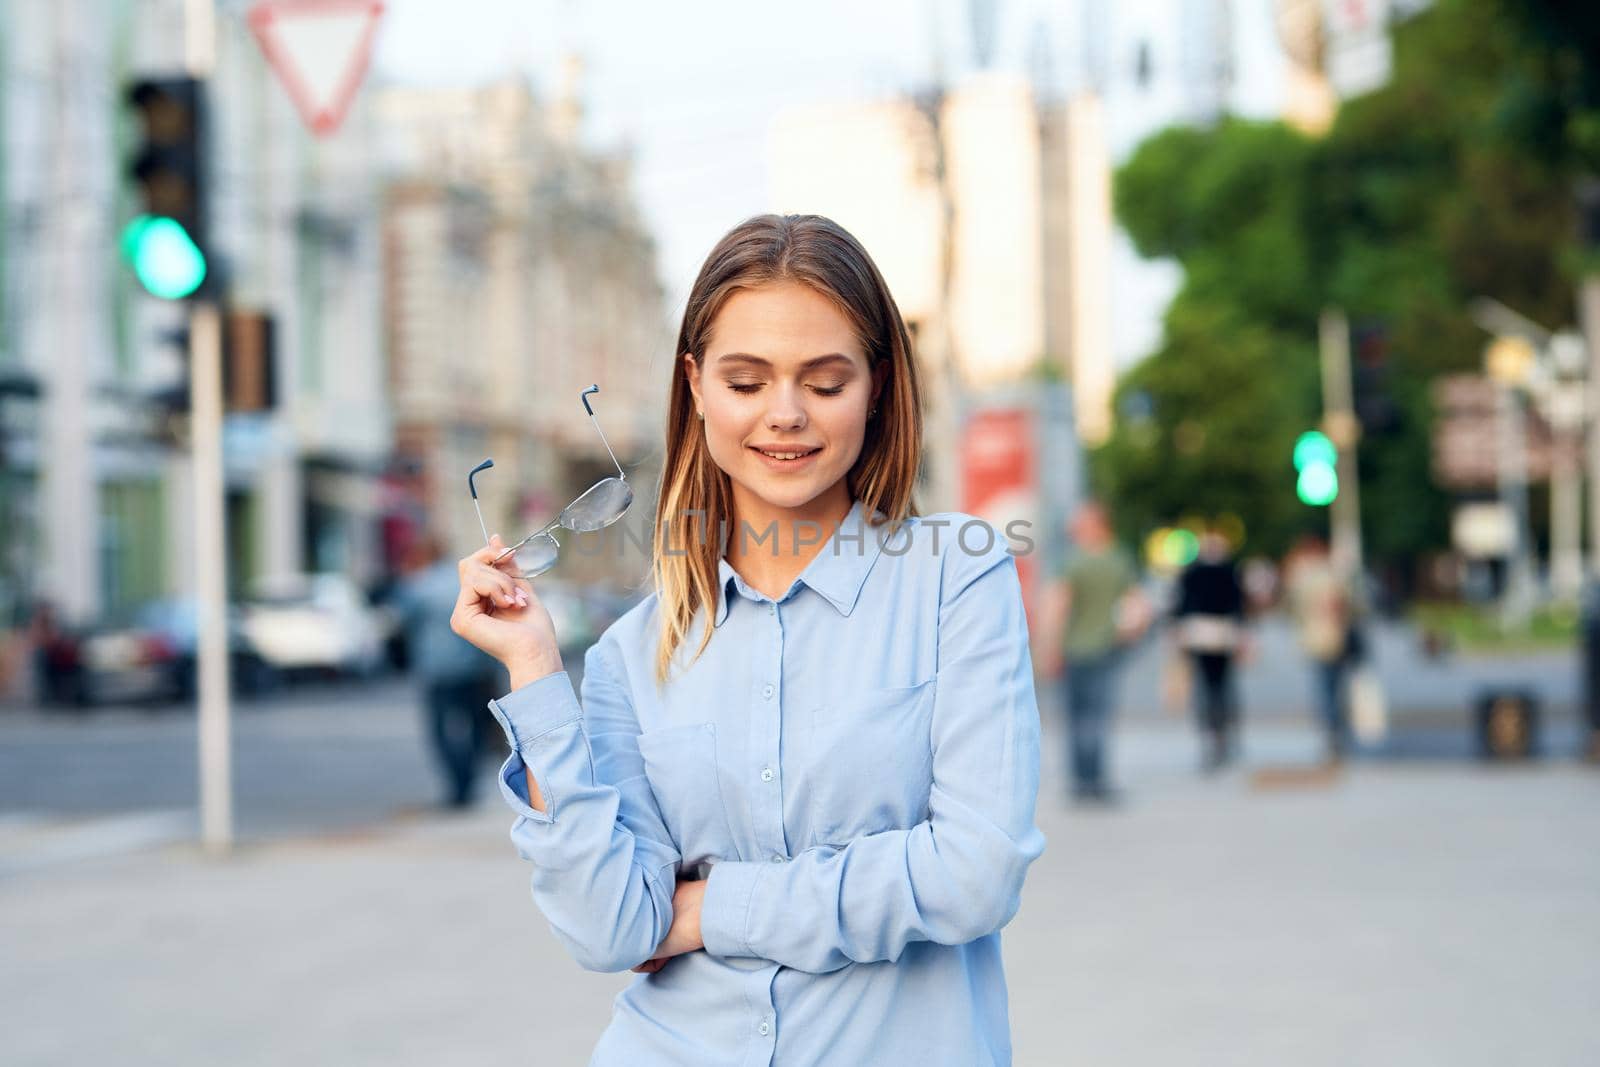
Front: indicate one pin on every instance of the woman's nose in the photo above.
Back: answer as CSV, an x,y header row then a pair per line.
x,y
786,412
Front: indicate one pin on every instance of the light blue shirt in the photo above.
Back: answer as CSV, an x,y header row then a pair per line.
x,y
854,765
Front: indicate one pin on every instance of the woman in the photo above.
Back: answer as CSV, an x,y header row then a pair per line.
x,y
798,793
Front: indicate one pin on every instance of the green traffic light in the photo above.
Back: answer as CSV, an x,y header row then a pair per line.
x,y
1318,484
164,258
1313,447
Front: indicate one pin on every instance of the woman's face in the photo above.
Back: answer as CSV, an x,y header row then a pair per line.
x,y
783,374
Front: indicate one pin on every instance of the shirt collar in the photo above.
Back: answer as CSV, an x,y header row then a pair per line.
x,y
837,572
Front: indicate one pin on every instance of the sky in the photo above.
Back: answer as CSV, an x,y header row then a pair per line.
x,y
691,87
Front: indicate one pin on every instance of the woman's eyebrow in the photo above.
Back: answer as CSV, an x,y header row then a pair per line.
x,y
816,361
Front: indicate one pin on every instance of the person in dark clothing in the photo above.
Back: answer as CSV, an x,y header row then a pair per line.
x,y
1209,619
458,680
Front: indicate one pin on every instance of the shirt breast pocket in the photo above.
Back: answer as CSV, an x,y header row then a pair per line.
x,y
681,764
871,763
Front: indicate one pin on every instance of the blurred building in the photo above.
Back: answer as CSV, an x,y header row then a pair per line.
x,y
436,281
518,272
62,356
95,492
1025,243
1078,231
297,218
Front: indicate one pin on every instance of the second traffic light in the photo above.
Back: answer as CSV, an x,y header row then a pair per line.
x,y
1316,459
167,243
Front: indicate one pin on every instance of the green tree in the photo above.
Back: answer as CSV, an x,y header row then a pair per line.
x,y
1452,182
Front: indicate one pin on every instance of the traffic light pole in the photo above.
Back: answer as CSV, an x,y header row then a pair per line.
x,y
1340,424
215,731
211,584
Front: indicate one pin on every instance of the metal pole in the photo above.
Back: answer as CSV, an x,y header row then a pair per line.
x,y
1517,601
1566,489
211,576
1566,518
205,400
1339,423
1589,319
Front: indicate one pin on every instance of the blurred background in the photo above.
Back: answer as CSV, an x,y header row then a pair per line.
x,y
1289,309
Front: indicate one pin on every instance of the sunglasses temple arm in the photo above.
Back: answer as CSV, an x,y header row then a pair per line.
x,y
481,524
603,441
584,396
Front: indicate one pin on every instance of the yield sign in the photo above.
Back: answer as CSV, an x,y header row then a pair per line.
x,y
320,50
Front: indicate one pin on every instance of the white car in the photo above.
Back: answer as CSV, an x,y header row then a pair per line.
x,y
315,622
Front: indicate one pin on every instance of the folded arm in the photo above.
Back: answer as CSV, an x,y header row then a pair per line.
x,y
603,863
957,875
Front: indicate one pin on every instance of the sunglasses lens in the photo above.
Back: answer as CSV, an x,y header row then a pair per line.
x,y
537,556
598,508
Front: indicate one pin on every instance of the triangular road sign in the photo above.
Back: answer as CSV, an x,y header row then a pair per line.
x,y
320,50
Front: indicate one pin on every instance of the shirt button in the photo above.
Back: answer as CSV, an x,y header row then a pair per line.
x,y
777,859
766,774
766,692
763,1029
772,609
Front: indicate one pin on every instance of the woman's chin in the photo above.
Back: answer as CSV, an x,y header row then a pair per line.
x,y
784,493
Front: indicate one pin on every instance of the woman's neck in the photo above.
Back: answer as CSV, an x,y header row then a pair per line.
x,y
769,546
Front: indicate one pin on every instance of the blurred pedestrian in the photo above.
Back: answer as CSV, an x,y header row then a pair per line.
x,y
1209,618
458,680
1322,603
55,656
1098,609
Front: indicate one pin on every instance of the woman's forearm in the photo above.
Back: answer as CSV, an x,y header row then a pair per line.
x,y
526,672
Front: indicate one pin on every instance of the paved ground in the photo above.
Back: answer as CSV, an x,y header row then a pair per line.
x,y
1425,910
1406,913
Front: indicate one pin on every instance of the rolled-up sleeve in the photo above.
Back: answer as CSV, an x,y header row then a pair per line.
x,y
603,863
957,875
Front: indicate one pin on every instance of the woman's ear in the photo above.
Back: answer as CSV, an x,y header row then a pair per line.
x,y
691,371
880,377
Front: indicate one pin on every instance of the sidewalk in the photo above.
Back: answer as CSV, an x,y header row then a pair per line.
x,y
1403,914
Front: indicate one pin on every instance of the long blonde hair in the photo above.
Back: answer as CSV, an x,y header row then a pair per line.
x,y
819,253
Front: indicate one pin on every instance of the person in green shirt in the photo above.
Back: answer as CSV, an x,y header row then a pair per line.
x,y
1097,608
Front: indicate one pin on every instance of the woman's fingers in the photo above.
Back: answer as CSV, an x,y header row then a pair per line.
x,y
493,585
649,966
490,555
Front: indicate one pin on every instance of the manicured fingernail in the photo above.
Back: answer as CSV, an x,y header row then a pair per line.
x,y
522,598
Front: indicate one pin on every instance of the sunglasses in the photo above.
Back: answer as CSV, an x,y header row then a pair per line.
x,y
597,507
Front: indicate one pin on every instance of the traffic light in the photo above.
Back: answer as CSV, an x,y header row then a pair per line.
x,y
166,242
1315,458
1373,391
249,361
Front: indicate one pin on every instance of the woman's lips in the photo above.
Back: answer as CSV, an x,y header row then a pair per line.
x,y
787,464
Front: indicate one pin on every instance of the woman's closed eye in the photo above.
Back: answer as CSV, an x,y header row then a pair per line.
x,y
820,390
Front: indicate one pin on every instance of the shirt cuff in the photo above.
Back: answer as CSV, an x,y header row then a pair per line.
x,y
536,708
725,908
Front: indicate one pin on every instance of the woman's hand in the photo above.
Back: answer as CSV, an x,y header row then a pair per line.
x,y
684,936
501,614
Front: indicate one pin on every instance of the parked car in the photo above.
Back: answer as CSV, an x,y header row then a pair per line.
x,y
146,655
248,673
316,623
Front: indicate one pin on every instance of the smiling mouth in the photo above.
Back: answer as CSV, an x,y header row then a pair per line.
x,y
789,455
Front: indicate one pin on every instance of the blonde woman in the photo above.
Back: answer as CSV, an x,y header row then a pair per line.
x,y
797,795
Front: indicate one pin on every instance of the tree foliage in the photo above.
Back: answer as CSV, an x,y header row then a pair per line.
x,y
1454,181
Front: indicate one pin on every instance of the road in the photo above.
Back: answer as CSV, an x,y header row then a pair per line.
x,y
1402,913
338,757
1411,911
